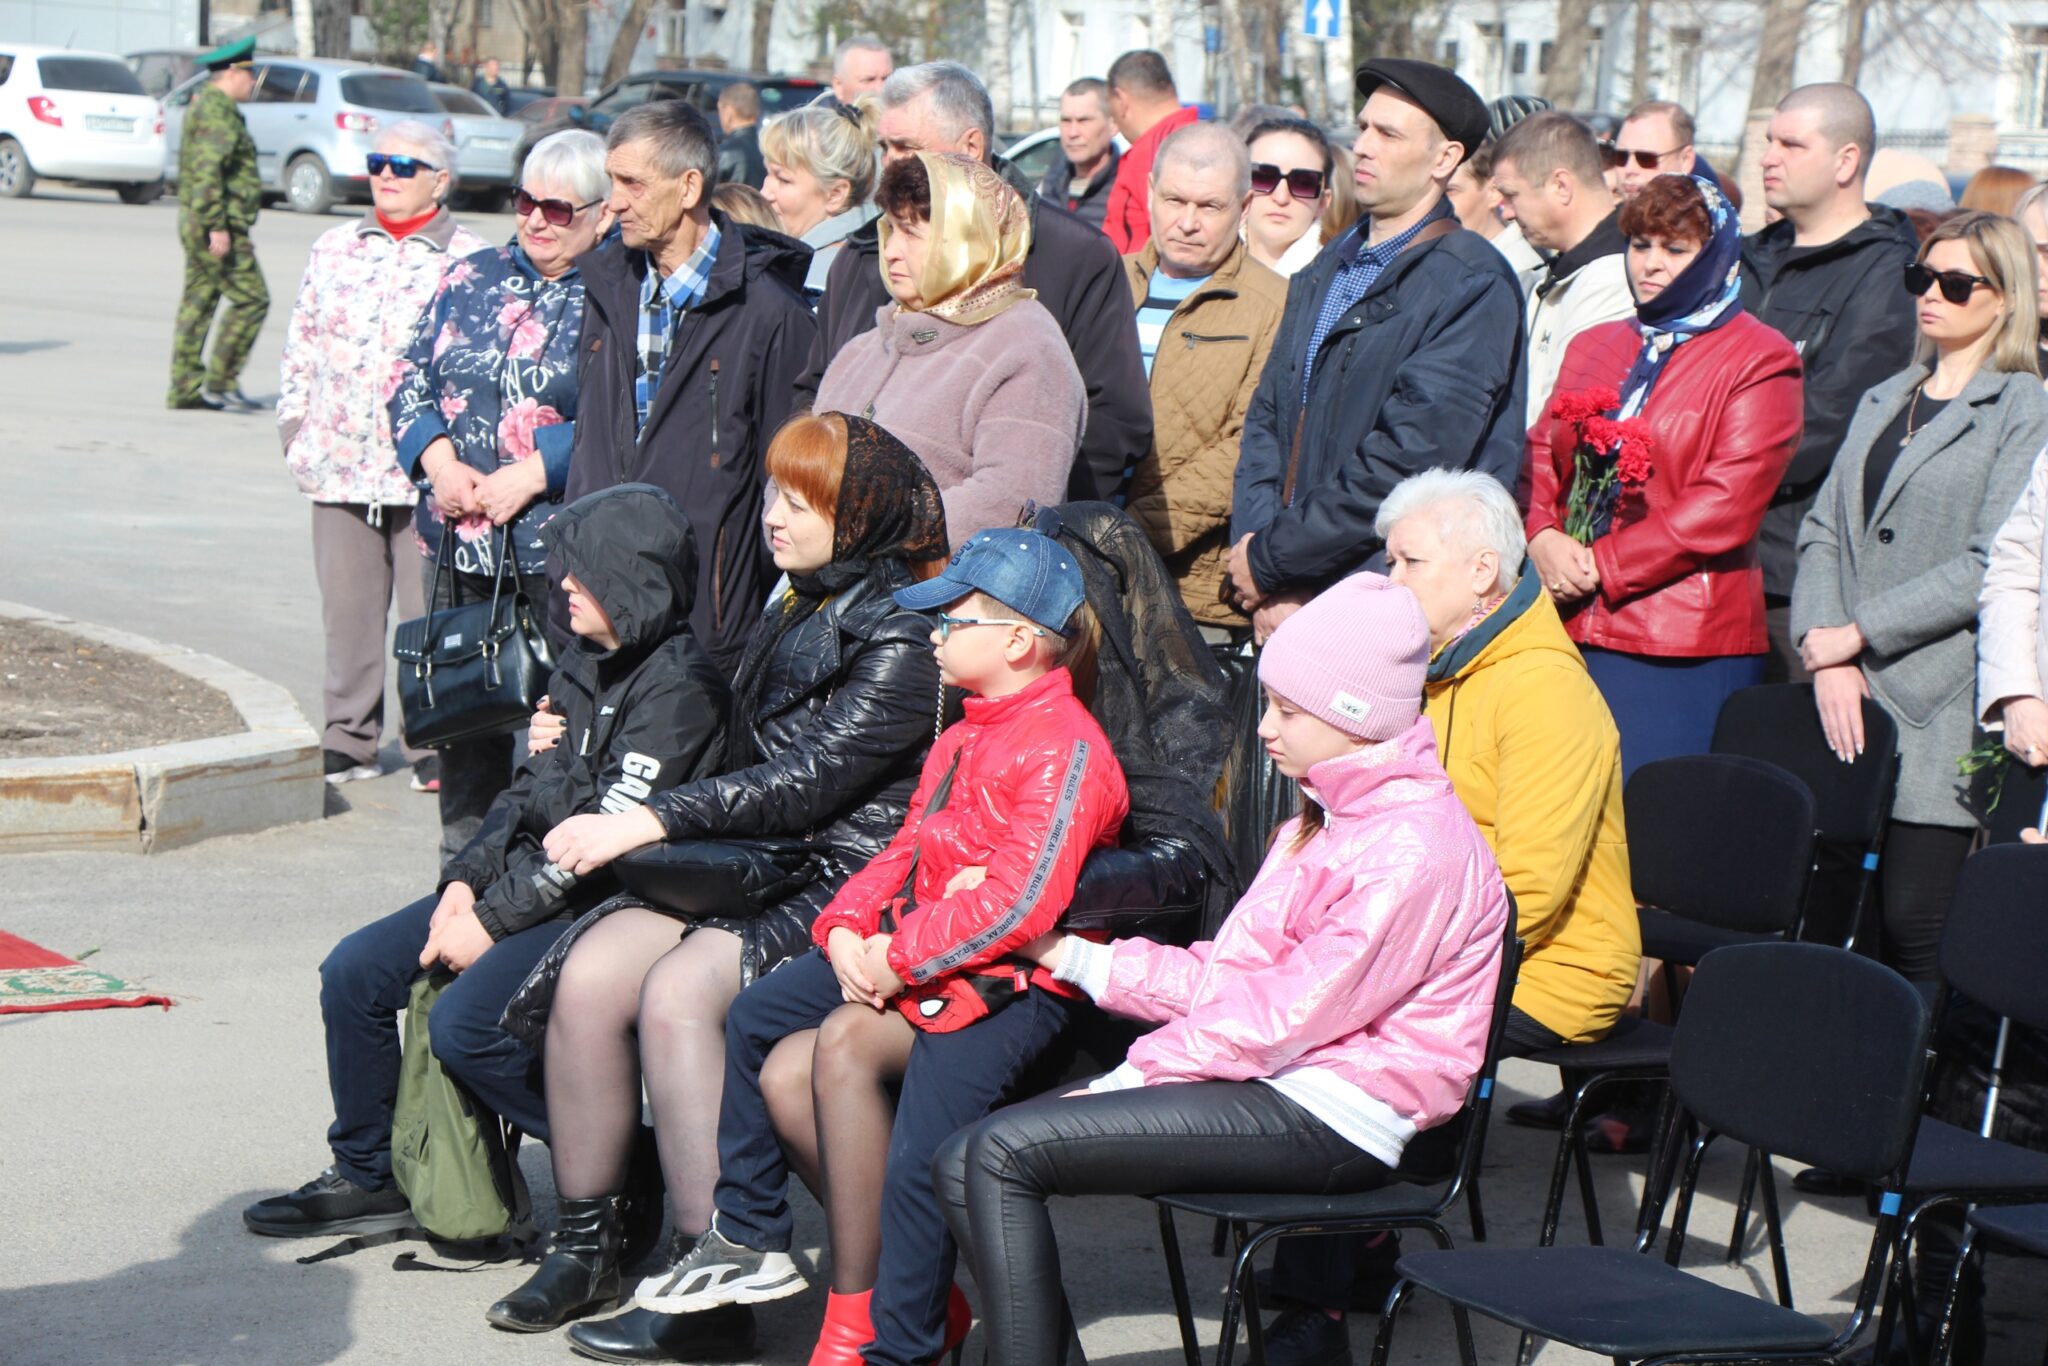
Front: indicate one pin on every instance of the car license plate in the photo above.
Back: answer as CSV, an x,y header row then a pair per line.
x,y
108,123
490,144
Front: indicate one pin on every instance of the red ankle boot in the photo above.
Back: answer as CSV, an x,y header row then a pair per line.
x,y
847,1329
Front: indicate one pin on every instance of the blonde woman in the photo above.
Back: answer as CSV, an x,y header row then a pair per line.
x,y
821,176
1892,555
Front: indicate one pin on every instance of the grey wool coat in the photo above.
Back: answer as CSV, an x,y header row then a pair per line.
x,y
1909,575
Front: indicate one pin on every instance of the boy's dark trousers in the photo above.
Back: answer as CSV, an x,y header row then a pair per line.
x,y
364,986
952,1080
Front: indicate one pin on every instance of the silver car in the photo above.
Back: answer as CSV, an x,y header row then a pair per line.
x,y
314,120
486,143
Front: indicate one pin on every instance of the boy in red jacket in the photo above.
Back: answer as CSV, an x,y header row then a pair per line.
x,y
914,980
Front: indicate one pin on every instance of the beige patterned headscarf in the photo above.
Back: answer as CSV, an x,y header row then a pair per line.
x,y
980,235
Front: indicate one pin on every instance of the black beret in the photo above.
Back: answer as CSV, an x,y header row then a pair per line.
x,y
1455,106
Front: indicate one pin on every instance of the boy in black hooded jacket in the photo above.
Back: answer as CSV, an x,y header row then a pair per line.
x,y
644,707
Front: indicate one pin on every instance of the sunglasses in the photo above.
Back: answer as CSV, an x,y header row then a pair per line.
x,y
1266,178
947,624
556,211
1956,285
405,168
1621,156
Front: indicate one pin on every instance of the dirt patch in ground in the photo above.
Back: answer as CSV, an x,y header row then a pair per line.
x,y
61,694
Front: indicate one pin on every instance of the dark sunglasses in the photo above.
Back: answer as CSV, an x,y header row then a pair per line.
x,y
1956,285
405,168
1266,178
556,211
1621,156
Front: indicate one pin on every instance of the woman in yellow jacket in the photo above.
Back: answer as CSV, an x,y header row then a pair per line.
x,y
1534,755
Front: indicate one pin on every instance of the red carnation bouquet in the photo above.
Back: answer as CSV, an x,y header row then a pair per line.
x,y
1610,459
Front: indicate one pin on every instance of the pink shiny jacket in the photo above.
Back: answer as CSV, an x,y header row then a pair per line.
x,y
1370,954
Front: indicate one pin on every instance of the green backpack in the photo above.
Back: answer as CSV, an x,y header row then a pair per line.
x,y
455,1161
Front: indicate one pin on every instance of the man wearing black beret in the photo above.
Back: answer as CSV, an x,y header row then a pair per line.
x,y
1401,349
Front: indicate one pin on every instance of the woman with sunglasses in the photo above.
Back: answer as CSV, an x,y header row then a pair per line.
x,y
1293,172
366,284
1892,554
481,411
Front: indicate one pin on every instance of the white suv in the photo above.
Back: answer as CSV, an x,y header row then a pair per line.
x,y
77,116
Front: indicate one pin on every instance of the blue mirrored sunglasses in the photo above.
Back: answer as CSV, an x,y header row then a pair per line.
x,y
405,168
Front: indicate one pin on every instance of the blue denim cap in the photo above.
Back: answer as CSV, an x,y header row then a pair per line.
x,y
1021,569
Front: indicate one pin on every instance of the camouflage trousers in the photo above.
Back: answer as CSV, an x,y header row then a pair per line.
x,y
207,279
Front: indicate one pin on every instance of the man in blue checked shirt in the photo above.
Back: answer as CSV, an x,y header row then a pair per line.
x,y
695,329
1401,350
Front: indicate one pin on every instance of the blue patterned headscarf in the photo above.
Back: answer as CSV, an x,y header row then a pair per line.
x,y
1705,295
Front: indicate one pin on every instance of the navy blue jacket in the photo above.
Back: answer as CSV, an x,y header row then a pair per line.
x,y
1424,370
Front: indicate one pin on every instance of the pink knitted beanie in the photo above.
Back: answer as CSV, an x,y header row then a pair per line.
x,y
1354,656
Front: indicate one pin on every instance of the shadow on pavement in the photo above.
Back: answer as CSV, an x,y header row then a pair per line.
x,y
176,1310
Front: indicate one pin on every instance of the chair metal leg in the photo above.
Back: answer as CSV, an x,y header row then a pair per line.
x,y
1736,1234
1591,1201
1177,1277
1226,1342
1553,1203
1944,1333
1254,1314
1478,1216
1774,1225
1383,1340
1674,1247
1658,1174
1216,1240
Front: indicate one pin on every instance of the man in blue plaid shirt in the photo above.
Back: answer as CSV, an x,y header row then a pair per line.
x,y
695,329
1402,350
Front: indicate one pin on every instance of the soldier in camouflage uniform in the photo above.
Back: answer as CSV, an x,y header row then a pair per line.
x,y
218,196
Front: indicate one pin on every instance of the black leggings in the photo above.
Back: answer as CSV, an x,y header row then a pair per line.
x,y
1916,880
993,1179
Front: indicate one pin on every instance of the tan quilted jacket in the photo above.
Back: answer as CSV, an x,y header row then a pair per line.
x,y
1203,376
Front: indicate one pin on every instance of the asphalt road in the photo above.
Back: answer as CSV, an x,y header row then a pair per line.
x,y
131,1139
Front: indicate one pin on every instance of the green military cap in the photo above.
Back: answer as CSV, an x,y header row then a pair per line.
x,y
241,52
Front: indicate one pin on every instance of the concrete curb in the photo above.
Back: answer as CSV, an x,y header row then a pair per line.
x,y
166,796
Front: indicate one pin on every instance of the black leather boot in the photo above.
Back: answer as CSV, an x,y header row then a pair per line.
x,y
641,1335
579,1275
640,1207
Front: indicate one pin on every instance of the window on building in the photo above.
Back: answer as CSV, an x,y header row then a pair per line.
x,y
1595,38
1451,55
671,32
1491,59
1682,76
486,16
1519,64
1544,52
2030,57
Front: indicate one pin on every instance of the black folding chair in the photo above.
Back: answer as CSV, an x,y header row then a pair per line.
x,y
1994,948
1779,724
1796,1049
1420,1200
2011,1228
1718,845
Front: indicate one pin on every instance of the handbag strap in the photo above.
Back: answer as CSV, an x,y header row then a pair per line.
x,y
940,796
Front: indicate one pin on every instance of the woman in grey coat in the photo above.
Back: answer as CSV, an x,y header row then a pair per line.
x,y
1892,555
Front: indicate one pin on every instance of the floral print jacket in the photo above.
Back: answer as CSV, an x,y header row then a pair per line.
x,y
492,368
359,304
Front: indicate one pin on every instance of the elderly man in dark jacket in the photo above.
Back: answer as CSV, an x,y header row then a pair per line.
x,y
942,107
646,709
1401,349
1827,276
694,333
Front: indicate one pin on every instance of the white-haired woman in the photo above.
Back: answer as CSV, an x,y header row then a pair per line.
x,y
1535,758
365,287
483,407
821,176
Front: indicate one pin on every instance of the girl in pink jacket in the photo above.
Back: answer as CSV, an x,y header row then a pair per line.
x,y
1341,1009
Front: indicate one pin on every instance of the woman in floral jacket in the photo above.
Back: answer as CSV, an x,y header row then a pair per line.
x,y
482,411
366,286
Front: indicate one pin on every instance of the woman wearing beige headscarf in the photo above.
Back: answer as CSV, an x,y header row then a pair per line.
x,y
965,367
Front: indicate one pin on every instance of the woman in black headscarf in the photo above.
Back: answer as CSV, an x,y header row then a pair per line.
x,y
835,702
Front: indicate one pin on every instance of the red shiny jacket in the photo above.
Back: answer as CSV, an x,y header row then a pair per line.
x,y
1035,789
1679,574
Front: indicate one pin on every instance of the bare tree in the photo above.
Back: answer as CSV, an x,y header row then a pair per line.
x,y
1162,26
302,26
1237,49
330,28
627,41
764,25
572,20
1776,51
543,37
995,63
1639,78
1855,17
1565,83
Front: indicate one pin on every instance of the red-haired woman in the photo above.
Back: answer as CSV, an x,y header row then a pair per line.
x,y
834,705
1665,595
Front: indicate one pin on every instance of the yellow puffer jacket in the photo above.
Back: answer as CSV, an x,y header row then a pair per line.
x,y
1533,753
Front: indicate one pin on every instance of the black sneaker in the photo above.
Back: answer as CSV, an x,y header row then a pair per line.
x,y
1307,1337
426,774
715,1272
1548,1113
342,769
328,1205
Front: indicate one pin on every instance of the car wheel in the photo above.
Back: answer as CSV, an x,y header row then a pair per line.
x,y
307,186
17,178
140,194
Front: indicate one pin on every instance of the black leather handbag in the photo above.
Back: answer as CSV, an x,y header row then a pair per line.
x,y
472,669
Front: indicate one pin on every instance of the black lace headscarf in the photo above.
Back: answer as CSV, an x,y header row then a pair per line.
x,y
1159,695
889,514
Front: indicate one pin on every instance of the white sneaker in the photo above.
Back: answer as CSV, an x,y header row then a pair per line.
x,y
716,1272
342,769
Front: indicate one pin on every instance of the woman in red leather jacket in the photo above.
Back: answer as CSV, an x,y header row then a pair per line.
x,y
1665,598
